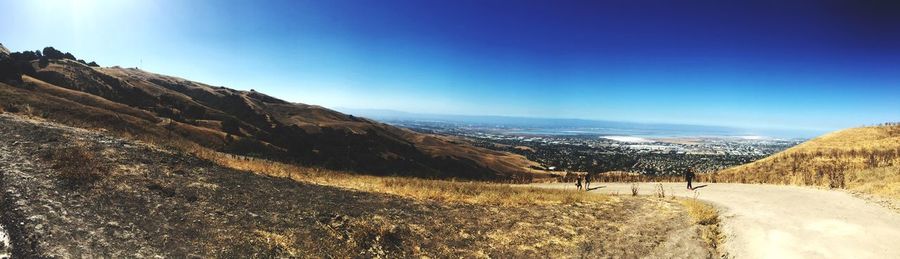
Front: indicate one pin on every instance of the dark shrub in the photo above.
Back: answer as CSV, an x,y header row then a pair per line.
x,y
9,71
52,53
43,62
26,68
24,56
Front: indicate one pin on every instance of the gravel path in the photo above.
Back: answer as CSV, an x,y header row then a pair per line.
x,y
768,221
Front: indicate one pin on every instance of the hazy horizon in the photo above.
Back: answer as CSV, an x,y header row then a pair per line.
x,y
690,130
820,66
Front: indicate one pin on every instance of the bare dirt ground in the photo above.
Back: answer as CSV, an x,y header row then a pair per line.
x,y
141,201
5,249
769,221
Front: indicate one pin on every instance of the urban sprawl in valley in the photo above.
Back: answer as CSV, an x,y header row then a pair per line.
x,y
582,151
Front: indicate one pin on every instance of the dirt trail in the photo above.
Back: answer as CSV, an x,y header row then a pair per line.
x,y
768,221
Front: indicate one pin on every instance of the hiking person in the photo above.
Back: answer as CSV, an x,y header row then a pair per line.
x,y
578,182
587,182
689,177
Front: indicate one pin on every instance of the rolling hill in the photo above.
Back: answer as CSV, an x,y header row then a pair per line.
x,y
865,159
67,192
176,112
75,183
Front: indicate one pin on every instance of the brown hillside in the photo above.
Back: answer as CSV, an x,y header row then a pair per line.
x,y
842,159
179,112
75,193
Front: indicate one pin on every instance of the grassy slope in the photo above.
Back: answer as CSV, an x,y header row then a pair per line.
x,y
881,181
864,159
135,103
138,200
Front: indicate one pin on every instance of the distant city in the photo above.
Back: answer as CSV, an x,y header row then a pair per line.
x,y
597,146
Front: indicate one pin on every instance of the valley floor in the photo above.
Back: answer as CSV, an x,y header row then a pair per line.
x,y
769,221
70,192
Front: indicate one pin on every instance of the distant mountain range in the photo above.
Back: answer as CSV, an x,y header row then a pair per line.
x,y
174,111
597,127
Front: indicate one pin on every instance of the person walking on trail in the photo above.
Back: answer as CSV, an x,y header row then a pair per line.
x,y
587,182
689,177
578,182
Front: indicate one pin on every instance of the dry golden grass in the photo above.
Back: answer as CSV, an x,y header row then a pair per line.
x,y
76,165
239,214
417,188
700,212
883,181
660,191
138,104
282,244
140,126
707,217
828,161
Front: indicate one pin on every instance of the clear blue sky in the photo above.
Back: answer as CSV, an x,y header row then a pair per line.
x,y
768,64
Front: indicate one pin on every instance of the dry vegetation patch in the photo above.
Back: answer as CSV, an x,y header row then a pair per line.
x,y
573,224
438,190
701,212
76,165
707,217
859,159
882,181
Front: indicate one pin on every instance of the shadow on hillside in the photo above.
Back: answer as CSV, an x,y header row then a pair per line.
x,y
699,186
598,187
